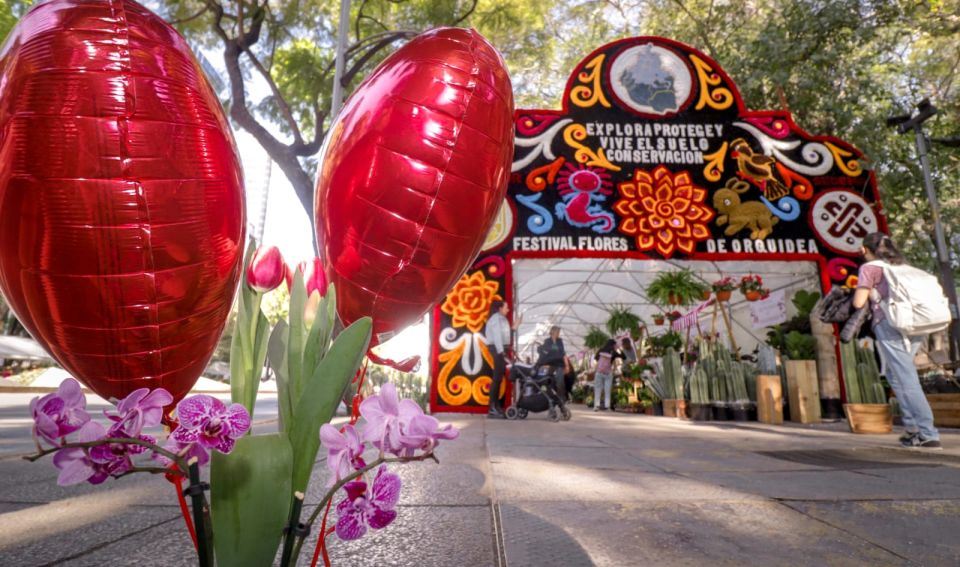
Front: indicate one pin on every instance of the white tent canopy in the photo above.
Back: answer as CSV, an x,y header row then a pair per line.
x,y
576,293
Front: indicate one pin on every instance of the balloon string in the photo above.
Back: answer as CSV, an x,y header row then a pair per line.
x,y
322,540
321,548
178,482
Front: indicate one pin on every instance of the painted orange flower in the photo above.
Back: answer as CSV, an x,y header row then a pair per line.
x,y
469,301
663,211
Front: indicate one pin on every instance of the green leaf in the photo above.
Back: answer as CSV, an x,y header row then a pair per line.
x,y
277,352
312,348
250,498
238,367
298,300
259,358
321,395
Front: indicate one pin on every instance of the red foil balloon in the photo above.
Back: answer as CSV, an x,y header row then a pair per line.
x,y
121,196
413,174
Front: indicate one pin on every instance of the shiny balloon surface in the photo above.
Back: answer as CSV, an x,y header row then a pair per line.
x,y
121,196
413,174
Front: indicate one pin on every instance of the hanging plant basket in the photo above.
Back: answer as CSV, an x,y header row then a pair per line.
x,y
706,295
724,295
658,319
752,295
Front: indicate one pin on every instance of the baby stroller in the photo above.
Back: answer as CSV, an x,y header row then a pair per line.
x,y
534,391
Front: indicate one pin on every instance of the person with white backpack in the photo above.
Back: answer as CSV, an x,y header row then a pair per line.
x,y
907,305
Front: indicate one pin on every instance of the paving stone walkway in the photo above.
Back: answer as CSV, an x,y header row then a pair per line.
x,y
604,489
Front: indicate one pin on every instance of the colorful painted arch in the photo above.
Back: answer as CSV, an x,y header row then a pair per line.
x,y
653,156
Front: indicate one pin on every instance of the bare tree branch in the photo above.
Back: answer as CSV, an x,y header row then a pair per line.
x,y
473,6
190,18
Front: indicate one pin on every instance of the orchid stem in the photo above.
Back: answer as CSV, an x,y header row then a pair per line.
x,y
177,459
294,529
201,514
351,477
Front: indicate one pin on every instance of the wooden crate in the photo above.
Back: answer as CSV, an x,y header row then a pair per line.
x,y
946,409
769,399
803,389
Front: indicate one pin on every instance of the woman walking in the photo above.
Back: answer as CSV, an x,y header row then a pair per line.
x,y
896,351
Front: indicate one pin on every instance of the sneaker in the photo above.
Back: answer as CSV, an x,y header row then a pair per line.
x,y
917,442
907,436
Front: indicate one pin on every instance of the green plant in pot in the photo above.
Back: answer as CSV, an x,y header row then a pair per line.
x,y
595,338
867,409
621,318
678,287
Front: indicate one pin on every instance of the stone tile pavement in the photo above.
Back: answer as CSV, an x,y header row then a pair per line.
x,y
601,490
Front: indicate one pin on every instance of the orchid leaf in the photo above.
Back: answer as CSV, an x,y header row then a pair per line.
x,y
250,499
321,396
330,319
277,352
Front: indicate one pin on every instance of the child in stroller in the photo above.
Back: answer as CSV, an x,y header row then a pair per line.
x,y
534,390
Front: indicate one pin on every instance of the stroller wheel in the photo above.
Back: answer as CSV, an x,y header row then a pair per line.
x,y
522,413
553,414
512,412
566,413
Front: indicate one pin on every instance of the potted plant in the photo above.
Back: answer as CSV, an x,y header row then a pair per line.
x,y
866,409
659,318
671,374
699,408
723,288
678,287
621,318
595,338
649,400
673,316
751,286
803,388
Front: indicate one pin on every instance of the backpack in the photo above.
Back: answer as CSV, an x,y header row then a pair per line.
x,y
917,305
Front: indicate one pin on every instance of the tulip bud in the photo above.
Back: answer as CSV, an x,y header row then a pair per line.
x,y
266,269
314,277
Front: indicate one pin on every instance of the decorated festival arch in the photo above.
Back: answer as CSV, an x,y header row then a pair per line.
x,y
654,157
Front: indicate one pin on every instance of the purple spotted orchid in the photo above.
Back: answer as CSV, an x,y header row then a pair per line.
x,y
141,408
400,426
344,451
207,423
423,432
60,413
362,507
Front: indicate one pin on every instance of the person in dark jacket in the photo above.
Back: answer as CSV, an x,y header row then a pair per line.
x,y
552,354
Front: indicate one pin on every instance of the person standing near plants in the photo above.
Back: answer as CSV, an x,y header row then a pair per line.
x,y
552,354
497,335
896,350
603,381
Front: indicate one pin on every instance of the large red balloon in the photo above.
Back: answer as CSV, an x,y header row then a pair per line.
x,y
121,196
413,174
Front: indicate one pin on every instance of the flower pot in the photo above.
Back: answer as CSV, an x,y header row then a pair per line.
x,y
869,418
752,295
740,412
701,412
721,411
724,295
648,410
658,320
674,299
675,408
706,295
